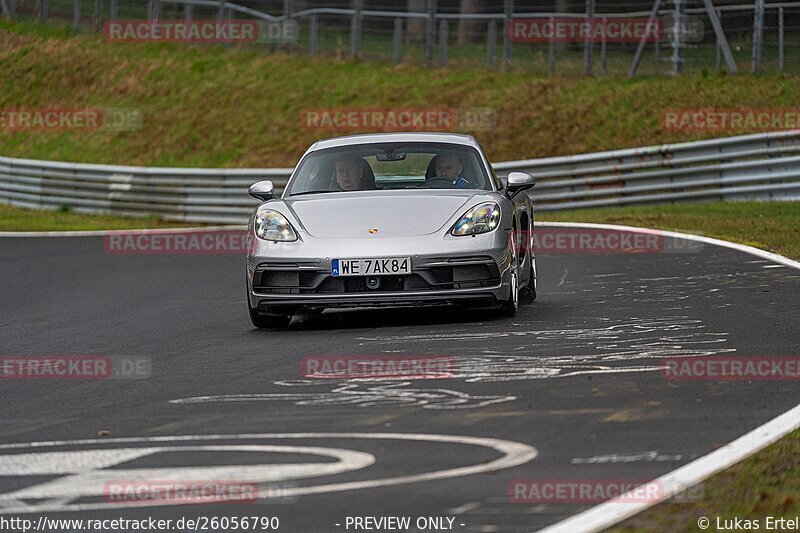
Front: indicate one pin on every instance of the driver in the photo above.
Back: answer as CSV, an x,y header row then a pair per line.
x,y
350,174
449,167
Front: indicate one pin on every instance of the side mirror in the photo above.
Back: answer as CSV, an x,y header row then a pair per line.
x,y
519,181
263,190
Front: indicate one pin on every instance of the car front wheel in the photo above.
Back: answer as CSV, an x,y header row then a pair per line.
x,y
528,294
268,320
510,306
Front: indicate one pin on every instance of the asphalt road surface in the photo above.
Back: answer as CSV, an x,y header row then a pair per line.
x,y
568,390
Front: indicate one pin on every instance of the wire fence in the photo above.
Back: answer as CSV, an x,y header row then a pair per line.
x,y
561,37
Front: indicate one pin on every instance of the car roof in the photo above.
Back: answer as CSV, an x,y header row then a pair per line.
x,y
406,137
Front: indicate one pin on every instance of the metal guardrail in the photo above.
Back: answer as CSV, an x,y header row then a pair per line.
x,y
761,166
187,194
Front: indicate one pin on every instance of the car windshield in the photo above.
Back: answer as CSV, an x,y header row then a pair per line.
x,y
385,166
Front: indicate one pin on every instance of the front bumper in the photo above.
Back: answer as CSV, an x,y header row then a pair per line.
x,y
449,270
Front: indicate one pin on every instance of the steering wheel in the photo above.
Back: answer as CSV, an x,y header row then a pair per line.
x,y
439,183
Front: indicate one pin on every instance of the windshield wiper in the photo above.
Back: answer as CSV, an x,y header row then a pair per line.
x,y
310,192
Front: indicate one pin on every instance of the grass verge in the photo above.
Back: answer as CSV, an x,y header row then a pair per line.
x,y
772,226
17,219
761,486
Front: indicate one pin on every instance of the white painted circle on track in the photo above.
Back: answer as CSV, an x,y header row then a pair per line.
x,y
87,471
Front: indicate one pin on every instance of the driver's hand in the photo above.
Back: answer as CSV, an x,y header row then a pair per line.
x,y
462,183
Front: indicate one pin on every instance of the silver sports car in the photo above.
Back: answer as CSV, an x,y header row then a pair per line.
x,y
391,219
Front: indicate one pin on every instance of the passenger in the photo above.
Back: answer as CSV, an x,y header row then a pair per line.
x,y
449,167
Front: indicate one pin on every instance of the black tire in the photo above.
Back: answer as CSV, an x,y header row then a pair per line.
x,y
267,320
528,294
510,307
270,321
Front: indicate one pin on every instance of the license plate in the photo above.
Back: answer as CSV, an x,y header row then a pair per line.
x,y
371,267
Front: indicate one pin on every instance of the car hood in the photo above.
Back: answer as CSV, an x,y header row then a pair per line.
x,y
397,214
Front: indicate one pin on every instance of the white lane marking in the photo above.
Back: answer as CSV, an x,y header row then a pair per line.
x,y
103,233
678,235
513,454
361,395
614,511
774,266
493,507
607,514
54,463
573,348
90,478
609,328
563,277
464,508
626,458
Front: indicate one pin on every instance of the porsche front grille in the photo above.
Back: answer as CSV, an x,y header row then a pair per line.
x,y
279,281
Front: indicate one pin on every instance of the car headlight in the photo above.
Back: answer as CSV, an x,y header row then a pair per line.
x,y
272,226
482,218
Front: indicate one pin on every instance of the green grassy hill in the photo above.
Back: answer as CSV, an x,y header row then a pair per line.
x,y
210,106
